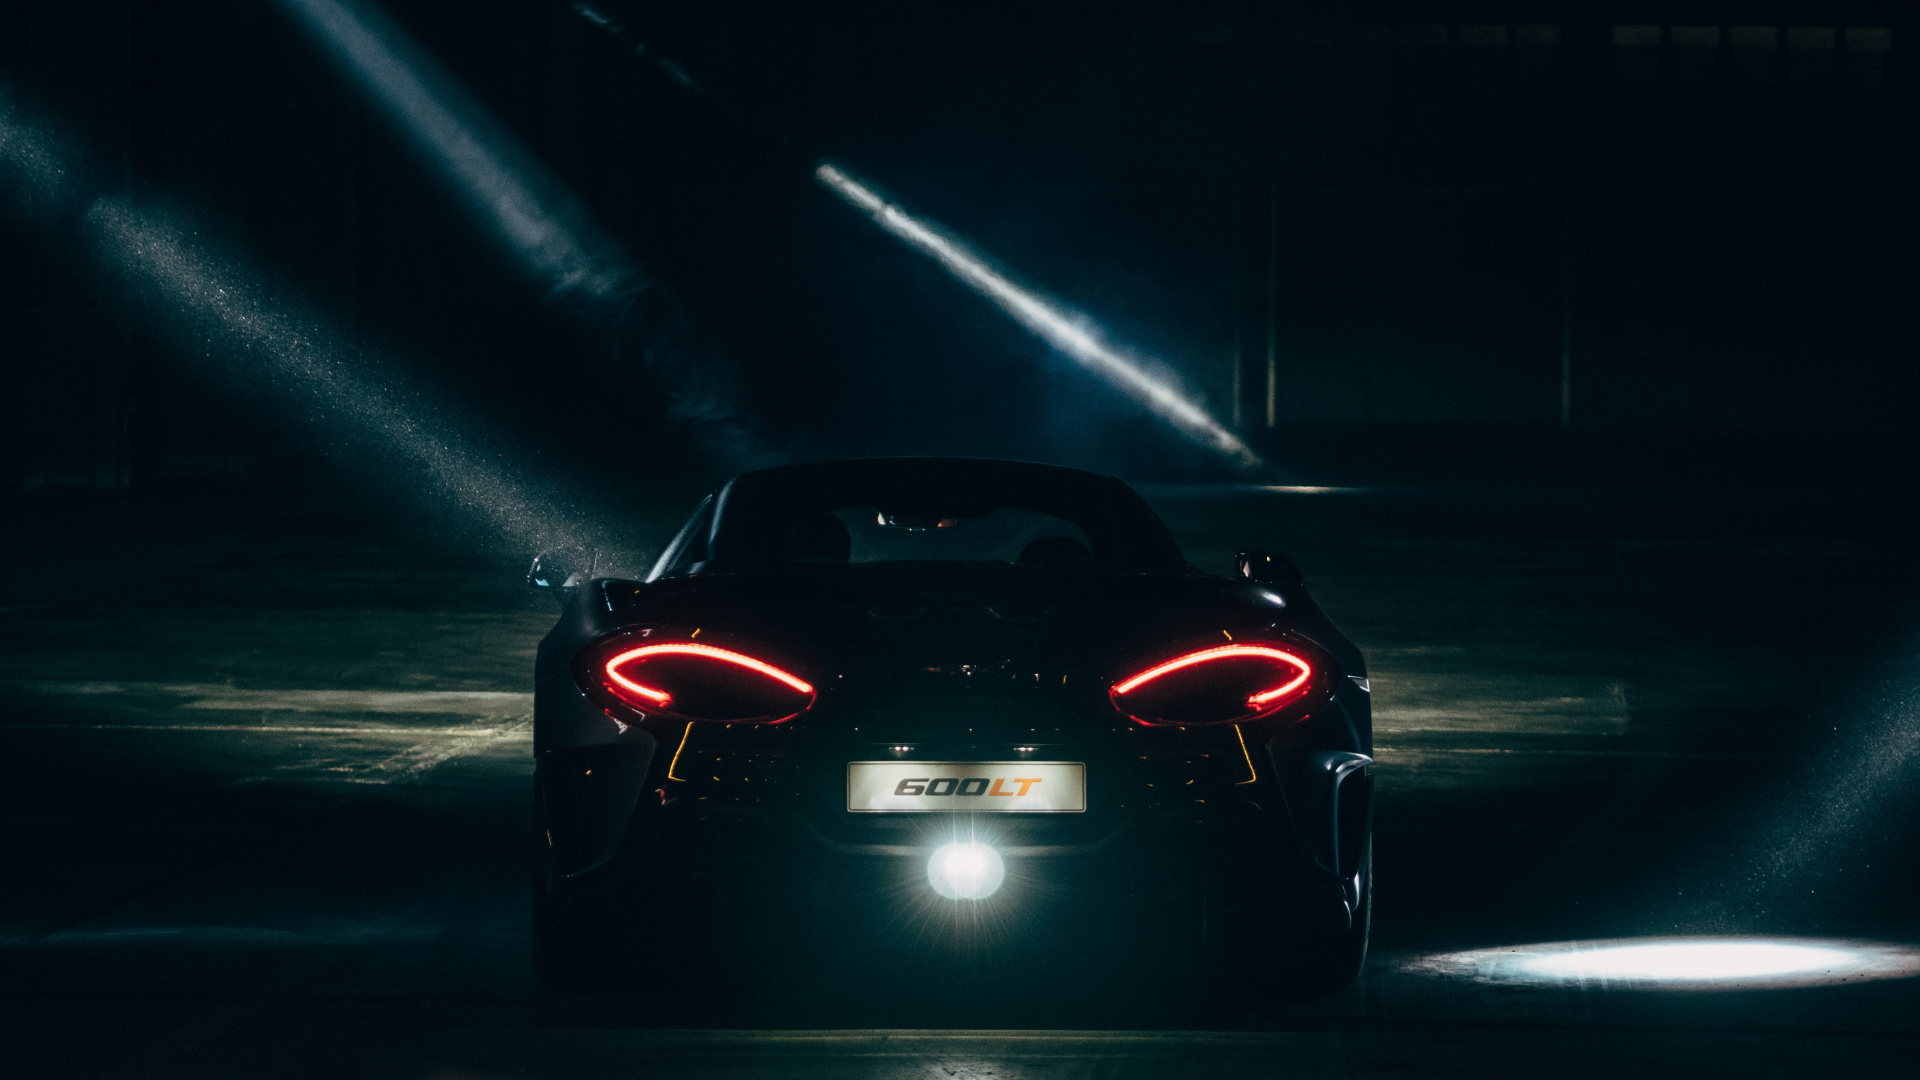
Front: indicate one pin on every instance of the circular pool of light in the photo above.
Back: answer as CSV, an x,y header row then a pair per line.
x,y
1681,963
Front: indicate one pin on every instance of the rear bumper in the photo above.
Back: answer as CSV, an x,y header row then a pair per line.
x,y
1303,802
1134,853
1106,842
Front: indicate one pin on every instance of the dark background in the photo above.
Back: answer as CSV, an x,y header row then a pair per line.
x,y
1641,640
1427,215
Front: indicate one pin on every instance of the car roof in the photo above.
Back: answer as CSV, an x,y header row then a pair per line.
x,y
1125,531
994,472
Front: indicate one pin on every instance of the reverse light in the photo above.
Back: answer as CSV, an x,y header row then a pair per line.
x,y
965,870
1226,684
692,681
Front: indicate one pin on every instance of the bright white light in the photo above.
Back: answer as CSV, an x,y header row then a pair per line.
x,y
1682,963
1056,327
965,871
1692,960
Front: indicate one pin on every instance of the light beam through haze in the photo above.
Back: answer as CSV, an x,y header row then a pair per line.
x,y
499,181
225,309
314,369
1057,328
537,219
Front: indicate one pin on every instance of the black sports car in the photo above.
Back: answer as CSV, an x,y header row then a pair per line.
x,y
917,697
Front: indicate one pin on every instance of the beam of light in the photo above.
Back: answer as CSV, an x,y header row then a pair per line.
x,y
229,311
614,30
38,169
1810,825
1845,784
499,180
544,226
1057,328
1681,963
234,313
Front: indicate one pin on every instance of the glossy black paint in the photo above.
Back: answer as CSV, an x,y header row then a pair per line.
x,y
967,662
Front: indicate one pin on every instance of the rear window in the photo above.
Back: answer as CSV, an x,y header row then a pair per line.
x,y
922,510
1007,534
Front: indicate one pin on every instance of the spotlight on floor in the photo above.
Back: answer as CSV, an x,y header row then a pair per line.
x,y
1061,329
1681,963
965,870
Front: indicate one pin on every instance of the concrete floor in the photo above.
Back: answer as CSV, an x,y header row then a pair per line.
x,y
264,782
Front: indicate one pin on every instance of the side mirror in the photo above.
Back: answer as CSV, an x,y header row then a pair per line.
x,y
1267,568
556,570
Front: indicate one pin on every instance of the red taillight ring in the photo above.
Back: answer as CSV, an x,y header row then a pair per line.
x,y
1227,652
688,648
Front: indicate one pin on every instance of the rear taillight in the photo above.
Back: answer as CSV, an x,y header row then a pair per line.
x,y
691,681
1222,685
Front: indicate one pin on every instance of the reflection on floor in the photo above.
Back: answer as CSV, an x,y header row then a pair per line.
x,y
263,799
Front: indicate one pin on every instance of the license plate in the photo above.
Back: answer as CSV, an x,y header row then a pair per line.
x,y
968,787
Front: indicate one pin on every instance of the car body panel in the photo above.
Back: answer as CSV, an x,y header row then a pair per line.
x,y
963,663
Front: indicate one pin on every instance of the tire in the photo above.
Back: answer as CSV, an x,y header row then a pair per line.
x,y
562,960
1329,961
558,955
594,937
1285,943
